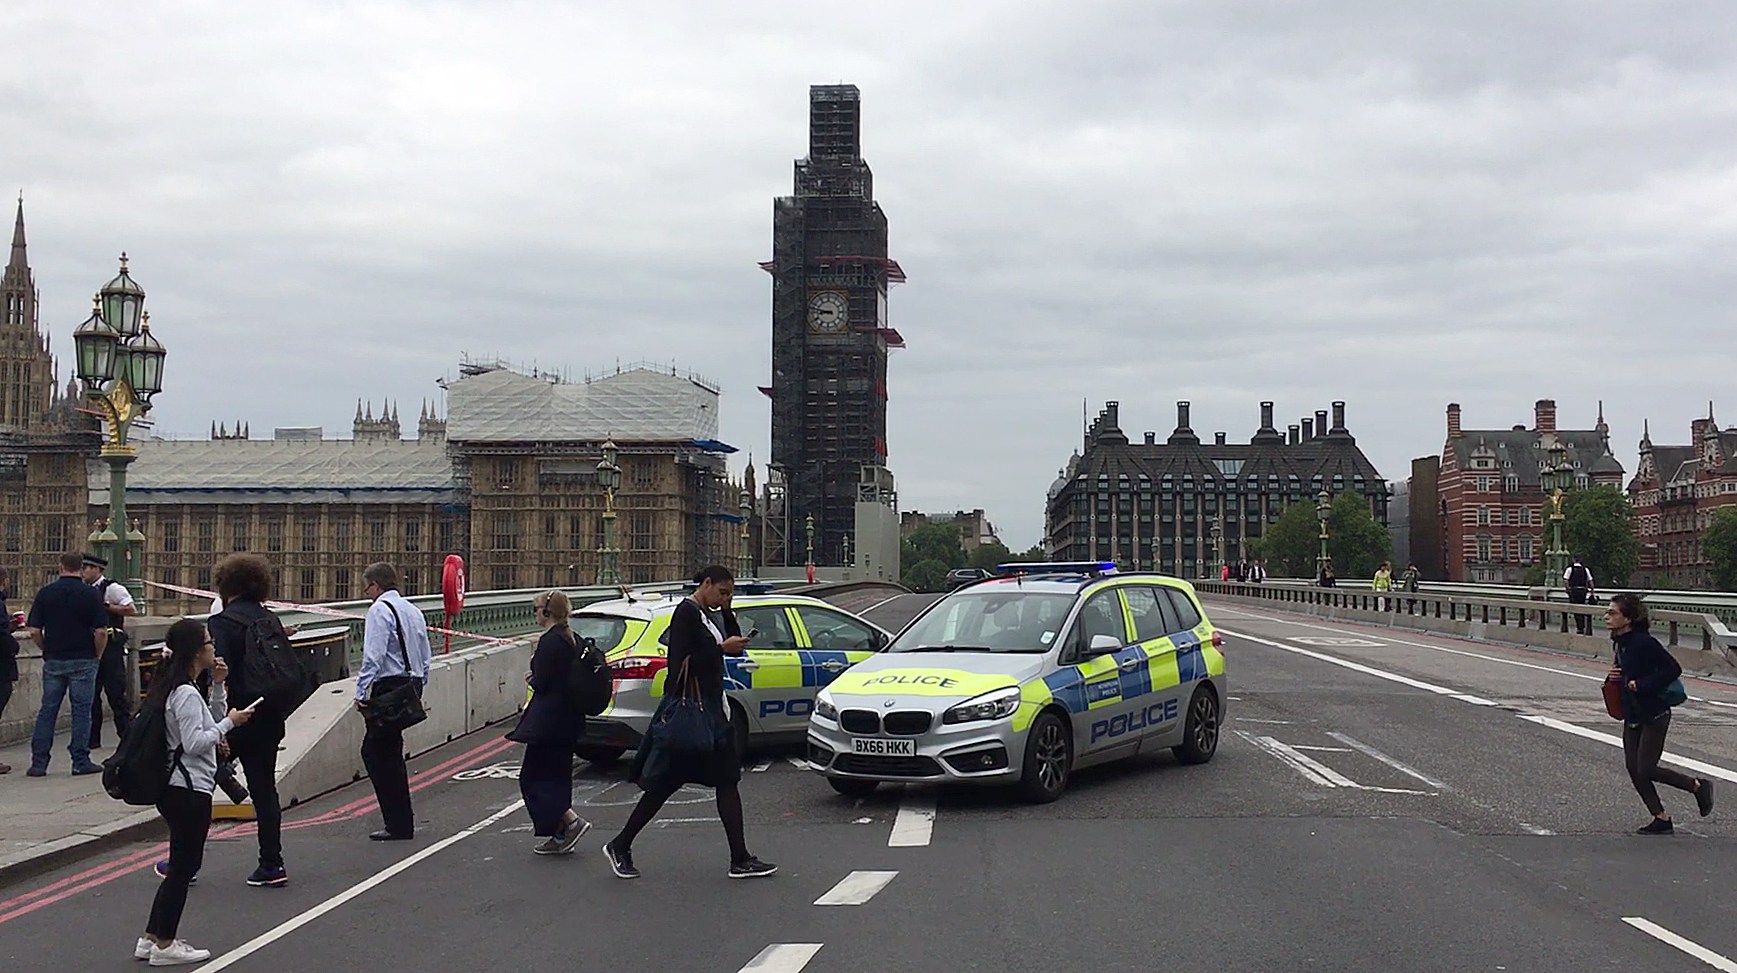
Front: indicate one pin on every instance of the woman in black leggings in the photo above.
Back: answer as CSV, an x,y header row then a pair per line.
x,y
1647,669
702,631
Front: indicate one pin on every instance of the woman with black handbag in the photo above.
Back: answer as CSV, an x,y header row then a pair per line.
x,y
691,740
1650,683
549,727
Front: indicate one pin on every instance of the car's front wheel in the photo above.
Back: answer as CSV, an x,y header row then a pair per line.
x,y
851,787
1049,759
1200,732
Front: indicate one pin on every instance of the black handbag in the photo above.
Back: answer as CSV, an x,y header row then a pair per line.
x,y
683,725
400,707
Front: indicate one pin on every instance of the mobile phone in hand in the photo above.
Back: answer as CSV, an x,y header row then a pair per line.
x,y
751,633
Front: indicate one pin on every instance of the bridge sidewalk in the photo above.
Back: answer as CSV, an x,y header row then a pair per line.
x,y
51,819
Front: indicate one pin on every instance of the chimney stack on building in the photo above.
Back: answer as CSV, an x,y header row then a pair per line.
x,y
1151,439
1295,435
1453,420
1338,417
1544,415
1218,439
1320,423
1308,429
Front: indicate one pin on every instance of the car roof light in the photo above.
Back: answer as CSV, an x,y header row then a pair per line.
x,y
1056,567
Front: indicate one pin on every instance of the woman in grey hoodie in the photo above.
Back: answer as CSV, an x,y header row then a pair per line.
x,y
194,726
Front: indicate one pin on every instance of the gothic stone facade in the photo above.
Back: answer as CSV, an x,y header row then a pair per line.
x,y
1675,492
1152,505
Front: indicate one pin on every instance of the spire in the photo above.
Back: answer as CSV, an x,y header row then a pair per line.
x,y
1646,443
358,410
18,262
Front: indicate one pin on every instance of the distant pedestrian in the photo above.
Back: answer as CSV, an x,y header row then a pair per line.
x,y
68,621
701,632
1224,571
112,670
193,728
8,651
1648,671
395,657
243,583
1579,583
1383,583
1257,572
549,728
1408,581
1327,580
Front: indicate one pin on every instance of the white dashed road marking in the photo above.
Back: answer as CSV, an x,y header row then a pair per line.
x,y
782,958
915,822
1694,949
856,888
1389,761
760,767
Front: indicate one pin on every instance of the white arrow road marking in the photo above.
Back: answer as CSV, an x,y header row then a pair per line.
x,y
856,888
782,958
1694,949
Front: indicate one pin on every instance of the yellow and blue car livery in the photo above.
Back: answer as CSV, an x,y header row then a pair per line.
x,y
800,645
1022,679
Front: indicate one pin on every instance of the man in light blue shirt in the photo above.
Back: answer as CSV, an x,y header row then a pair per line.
x,y
395,652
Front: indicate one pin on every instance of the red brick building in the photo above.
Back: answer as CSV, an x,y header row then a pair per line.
x,y
1675,491
1490,491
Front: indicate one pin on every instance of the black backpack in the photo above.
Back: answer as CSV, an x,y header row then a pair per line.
x,y
271,668
139,769
589,681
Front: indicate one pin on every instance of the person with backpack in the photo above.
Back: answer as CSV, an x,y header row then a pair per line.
x,y
242,629
1649,676
551,724
112,668
395,659
1579,583
701,632
191,729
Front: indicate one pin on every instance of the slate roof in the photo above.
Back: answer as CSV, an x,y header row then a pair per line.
x,y
282,471
1521,452
638,404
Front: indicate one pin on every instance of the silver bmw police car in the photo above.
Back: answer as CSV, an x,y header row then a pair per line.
x,y
1023,678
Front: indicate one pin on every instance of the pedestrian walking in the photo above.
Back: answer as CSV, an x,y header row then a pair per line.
x,y
1383,583
395,658
701,632
1579,583
1408,581
8,650
193,728
549,728
112,669
243,583
68,621
1650,687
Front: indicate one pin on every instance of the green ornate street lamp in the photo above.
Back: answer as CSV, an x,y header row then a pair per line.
x,y
1557,480
1323,509
609,478
1217,548
745,562
120,364
808,522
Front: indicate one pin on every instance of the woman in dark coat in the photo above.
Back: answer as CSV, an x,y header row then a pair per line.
x,y
702,631
549,727
1647,668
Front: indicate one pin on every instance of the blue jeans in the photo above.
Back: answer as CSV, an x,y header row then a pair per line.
x,y
75,679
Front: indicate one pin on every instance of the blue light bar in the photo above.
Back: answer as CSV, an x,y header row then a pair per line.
x,y
1056,567
742,588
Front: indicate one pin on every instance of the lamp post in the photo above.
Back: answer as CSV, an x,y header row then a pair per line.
x,y
745,565
1155,567
120,364
609,478
808,524
1323,508
1218,544
1556,558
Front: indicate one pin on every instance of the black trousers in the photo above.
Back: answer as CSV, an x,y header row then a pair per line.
x,y
1582,623
255,748
383,756
112,682
1641,748
5,694
546,782
189,816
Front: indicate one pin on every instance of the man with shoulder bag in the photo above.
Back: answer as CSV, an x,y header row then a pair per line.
x,y
395,658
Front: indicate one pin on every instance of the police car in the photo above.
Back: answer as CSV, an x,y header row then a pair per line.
x,y
1023,678
799,645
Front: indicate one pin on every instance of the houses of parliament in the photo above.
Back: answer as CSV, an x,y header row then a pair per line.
x,y
504,475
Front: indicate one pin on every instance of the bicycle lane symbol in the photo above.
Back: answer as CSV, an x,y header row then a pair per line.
x,y
505,770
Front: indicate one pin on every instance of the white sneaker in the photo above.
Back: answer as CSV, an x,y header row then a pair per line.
x,y
142,948
179,953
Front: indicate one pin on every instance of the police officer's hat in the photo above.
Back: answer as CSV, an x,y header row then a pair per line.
x,y
92,561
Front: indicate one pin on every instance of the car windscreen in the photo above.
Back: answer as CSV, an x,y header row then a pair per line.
x,y
1001,620
607,630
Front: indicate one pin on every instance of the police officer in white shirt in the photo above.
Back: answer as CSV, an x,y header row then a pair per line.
x,y
112,670
394,633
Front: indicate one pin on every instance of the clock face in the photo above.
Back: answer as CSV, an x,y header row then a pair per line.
x,y
828,312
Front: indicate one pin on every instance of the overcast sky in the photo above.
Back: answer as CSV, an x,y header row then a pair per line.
x,y
1398,205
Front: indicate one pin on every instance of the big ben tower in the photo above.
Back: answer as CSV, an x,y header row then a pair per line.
x,y
830,337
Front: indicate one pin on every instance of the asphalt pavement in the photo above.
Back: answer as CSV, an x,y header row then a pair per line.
x,y
1381,800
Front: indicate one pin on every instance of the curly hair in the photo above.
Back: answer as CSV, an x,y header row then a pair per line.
x,y
243,577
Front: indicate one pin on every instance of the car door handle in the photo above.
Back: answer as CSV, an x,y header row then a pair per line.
x,y
833,665
748,665
1129,665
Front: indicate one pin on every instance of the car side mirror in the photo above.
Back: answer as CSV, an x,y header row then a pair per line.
x,y
1103,645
